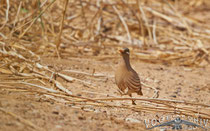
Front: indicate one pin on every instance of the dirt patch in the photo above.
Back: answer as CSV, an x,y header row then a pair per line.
x,y
58,57
174,83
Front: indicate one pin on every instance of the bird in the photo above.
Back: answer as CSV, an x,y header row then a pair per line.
x,y
177,124
126,77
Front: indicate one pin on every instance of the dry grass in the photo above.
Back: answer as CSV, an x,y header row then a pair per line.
x,y
156,31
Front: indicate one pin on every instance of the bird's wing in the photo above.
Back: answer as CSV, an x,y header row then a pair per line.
x,y
163,124
191,124
132,81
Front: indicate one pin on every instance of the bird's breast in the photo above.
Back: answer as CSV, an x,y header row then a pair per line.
x,y
120,74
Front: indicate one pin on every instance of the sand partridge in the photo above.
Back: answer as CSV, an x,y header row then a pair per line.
x,y
126,77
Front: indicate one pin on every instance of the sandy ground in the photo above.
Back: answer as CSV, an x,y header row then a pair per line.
x,y
22,109
26,110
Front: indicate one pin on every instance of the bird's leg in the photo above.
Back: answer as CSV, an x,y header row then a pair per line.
x,y
133,102
129,92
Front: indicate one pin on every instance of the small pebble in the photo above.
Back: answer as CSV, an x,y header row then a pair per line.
x,y
173,96
55,112
132,120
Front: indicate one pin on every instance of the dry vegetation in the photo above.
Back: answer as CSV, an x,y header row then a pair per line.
x,y
170,32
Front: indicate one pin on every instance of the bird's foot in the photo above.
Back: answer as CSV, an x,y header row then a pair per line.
x,y
133,102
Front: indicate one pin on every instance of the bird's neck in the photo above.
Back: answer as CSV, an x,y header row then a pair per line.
x,y
125,61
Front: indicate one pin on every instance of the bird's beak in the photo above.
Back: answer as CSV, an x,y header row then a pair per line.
x,y
121,51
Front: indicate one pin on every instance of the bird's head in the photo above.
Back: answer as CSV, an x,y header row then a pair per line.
x,y
125,52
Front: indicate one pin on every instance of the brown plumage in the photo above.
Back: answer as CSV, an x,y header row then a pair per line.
x,y
126,77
